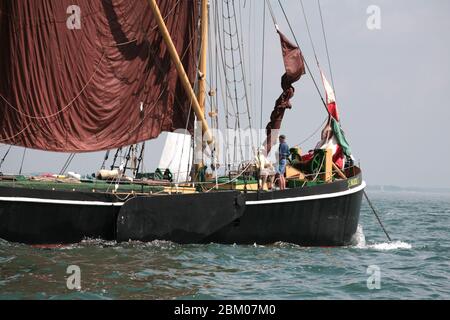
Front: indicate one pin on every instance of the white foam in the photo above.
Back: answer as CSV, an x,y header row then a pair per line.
x,y
359,242
395,245
359,239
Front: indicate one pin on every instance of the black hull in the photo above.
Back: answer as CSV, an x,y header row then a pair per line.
x,y
320,222
32,223
324,215
178,218
55,217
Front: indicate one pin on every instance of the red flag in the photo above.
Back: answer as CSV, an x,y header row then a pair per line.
x,y
331,142
330,97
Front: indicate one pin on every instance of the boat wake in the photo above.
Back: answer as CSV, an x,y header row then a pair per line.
x,y
359,242
395,245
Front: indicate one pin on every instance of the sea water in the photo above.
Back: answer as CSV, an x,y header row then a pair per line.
x,y
415,265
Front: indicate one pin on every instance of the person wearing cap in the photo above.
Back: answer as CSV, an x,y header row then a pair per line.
x,y
283,155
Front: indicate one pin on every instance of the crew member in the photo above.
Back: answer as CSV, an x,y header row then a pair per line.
x,y
283,155
266,170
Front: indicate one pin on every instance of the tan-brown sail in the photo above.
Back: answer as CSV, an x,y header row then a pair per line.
x,y
88,75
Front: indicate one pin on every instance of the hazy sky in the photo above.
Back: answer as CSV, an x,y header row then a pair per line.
x,y
391,85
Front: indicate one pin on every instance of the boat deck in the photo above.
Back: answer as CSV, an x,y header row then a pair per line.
x,y
148,186
81,186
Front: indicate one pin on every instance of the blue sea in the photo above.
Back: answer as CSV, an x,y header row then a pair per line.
x,y
416,265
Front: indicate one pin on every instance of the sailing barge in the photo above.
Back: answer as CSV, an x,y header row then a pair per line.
x,y
122,75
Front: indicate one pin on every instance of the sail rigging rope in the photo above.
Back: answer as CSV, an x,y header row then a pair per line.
x,y
249,53
67,163
304,59
238,121
23,159
376,215
240,40
105,159
326,45
222,82
263,58
243,70
271,13
17,134
65,107
4,157
140,164
309,33
232,180
313,134
229,101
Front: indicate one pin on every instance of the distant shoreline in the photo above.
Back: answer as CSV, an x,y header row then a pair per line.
x,y
390,188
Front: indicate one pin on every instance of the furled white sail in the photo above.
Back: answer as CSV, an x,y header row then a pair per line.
x,y
176,156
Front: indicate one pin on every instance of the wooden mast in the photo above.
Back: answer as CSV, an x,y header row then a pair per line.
x,y
201,94
203,56
199,112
